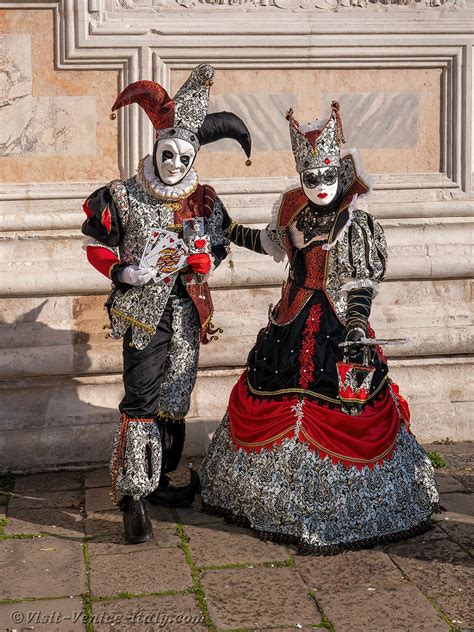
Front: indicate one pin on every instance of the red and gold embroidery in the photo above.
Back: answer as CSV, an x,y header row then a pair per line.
x,y
293,202
308,346
295,296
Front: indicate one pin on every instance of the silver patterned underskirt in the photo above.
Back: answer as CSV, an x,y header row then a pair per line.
x,y
291,494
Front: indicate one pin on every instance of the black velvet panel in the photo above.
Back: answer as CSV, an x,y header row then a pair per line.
x,y
93,227
143,370
274,363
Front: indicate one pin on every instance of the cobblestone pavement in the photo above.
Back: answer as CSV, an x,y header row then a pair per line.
x,y
65,567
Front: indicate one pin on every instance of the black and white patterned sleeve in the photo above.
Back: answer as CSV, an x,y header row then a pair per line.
x,y
364,260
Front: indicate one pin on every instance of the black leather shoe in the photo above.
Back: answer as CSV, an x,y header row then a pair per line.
x,y
136,523
172,496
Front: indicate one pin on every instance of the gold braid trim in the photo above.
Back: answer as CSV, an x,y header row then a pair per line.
x,y
259,444
313,393
207,322
230,229
119,454
348,458
133,321
162,416
210,329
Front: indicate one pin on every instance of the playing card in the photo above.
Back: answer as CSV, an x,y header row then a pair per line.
x,y
165,243
154,238
164,254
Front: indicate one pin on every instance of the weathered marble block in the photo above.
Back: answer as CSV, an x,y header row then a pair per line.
x,y
61,421
65,335
40,125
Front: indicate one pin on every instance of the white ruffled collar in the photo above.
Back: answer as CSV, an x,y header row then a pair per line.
x,y
150,182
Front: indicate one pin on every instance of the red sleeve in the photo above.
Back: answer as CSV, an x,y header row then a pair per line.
x,y
101,258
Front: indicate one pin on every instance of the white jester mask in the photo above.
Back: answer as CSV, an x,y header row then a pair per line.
x,y
174,158
320,185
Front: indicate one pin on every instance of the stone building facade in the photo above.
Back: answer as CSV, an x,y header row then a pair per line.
x,y
403,74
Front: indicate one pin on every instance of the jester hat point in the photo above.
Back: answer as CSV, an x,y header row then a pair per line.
x,y
185,116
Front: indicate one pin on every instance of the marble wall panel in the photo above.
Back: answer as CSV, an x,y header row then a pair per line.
x,y
65,335
15,59
56,126
372,120
393,114
40,125
472,132
259,111
378,119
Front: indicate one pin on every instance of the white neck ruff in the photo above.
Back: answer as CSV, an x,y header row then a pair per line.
x,y
150,182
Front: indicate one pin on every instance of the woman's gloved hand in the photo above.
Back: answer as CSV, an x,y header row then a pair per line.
x,y
133,275
200,262
354,352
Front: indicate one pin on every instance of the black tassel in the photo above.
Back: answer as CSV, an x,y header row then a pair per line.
x,y
225,125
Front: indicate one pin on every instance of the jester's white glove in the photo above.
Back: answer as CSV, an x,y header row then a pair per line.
x,y
133,275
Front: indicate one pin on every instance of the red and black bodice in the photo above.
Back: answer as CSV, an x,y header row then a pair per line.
x,y
298,350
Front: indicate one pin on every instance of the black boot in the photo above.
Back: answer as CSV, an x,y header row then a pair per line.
x,y
136,523
170,496
173,435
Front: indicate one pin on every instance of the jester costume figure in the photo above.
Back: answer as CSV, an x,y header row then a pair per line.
x,y
307,453
161,321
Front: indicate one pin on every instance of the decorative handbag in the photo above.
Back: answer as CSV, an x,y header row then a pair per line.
x,y
354,381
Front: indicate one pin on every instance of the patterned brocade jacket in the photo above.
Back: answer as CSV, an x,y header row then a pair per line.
x,y
354,256
120,217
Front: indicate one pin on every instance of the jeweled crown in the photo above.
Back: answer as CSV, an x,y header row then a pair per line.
x,y
317,144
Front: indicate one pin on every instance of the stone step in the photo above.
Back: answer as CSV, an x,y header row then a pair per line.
x,y
51,262
65,335
61,421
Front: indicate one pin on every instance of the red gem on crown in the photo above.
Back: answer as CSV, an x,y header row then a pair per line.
x,y
327,161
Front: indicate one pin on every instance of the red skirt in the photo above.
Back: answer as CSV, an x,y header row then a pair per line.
x,y
366,439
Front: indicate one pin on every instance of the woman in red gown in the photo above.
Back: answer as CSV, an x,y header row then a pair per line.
x,y
291,459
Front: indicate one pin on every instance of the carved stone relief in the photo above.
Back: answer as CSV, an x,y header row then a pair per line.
x,y
307,5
